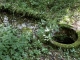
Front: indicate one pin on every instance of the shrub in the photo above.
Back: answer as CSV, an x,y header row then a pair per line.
x,y
15,45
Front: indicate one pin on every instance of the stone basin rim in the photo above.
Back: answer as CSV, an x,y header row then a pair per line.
x,y
73,45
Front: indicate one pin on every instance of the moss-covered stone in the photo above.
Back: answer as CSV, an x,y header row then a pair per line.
x,y
72,45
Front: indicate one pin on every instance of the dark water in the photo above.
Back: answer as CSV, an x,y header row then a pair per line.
x,y
8,19
64,40
66,36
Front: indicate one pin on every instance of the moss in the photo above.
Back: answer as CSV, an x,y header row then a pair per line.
x,y
28,11
25,29
73,45
65,25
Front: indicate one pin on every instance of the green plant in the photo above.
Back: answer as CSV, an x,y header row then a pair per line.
x,y
50,10
46,30
69,54
16,45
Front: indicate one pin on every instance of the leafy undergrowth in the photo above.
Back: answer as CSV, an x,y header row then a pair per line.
x,y
17,45
43,9
45,34
21,46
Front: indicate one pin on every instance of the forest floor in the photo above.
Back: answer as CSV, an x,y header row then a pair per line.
x,y
59,54
67,12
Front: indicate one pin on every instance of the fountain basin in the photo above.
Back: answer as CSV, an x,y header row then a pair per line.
x,y
66,38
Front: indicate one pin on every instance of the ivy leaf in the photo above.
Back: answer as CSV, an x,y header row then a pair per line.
x,y
8,58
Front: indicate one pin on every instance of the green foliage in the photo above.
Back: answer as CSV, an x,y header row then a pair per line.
x,y
70,54
21,46
61,4
15,45
42,9
46,30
